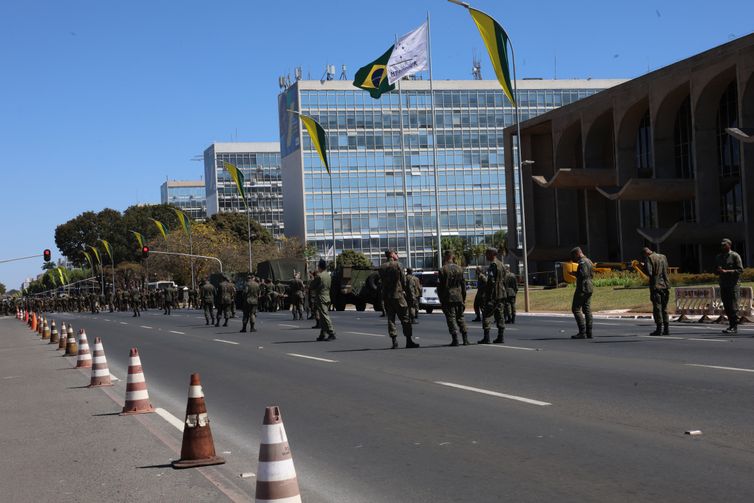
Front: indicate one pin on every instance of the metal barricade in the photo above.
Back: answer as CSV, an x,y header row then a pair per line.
x,y
746,305
694,301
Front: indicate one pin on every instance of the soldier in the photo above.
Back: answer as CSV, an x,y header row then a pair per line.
x,y
656,267
167,300
511,289
225,298
272,297
415,293
394,291
136,300
208,297
494,299
297,297
729,269
481,282
451,288
233,294
582,296
320,287
250,301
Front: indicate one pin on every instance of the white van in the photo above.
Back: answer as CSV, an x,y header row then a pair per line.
x,y
429,300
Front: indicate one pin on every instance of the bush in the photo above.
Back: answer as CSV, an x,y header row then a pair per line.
x,y
625,279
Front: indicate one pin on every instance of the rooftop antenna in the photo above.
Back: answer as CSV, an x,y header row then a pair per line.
x,y
343,75
281,82
329,73
476,67
297,73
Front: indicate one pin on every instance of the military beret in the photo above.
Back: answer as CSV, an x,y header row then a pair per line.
x,y
389,252
727,241
492,250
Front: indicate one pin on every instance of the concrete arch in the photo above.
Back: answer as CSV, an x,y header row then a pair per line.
x,y
599,148
626,138
663,126
568,153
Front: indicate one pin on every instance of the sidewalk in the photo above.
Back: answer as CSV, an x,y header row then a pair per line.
x,y
63,442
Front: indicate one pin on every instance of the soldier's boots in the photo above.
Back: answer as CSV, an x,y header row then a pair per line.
x,y
465,338
252,329
665,329
513,319
588,332
226,323
410,344
408,332
243,330
731,330
658,330
500,338
331,337
321,337
580,335
486,338
394,343
217,323
454,339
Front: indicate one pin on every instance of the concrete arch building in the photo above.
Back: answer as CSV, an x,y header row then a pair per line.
x,y
645,162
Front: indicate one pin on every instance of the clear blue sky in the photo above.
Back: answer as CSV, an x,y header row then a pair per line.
x,y
101,100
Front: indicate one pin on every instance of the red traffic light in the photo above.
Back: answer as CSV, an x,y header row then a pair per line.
x,y
144,252
47,254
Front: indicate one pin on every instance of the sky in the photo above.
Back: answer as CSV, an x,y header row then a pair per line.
x,y
102,100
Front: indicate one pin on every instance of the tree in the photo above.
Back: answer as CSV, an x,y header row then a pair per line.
x,y
138,218
457,246
237,224
500,241
2,289
354,259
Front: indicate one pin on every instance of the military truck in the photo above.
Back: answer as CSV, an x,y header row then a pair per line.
x,y
282,270
351,285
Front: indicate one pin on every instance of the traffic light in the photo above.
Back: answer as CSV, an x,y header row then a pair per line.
x,y
47,254
144,252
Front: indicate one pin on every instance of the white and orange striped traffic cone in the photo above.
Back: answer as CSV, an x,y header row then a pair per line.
x,y
137,397
84,357
54,334
276,475
100,371
198,448
46,332
65,337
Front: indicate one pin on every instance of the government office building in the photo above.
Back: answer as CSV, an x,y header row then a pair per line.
x,y
367,174
260,164
648,162
188,196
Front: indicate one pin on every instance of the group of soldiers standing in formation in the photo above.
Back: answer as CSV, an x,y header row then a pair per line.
x,y
495,299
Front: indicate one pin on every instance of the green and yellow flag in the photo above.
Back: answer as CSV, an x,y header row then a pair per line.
x,y
96,254
237,177
185,221
161,228
496,40
52,278
139,238
60,273
318,137
107,249
373,77
88,259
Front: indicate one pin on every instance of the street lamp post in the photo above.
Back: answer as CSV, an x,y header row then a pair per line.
x,y
527,303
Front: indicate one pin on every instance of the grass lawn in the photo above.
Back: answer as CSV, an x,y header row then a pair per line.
x,y
605,298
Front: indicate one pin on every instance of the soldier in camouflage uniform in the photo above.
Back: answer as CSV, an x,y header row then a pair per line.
x,y
394,289
297,297
320,287
136,300
494,299
656,267
582,296
451,289
208,298
511,289
225,299
481,282
729,269
415,293
250,301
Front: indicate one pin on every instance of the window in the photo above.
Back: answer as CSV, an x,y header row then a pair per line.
x,y
729,158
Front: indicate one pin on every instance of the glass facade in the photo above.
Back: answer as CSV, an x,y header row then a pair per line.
x,y
262,182
367,168
188,196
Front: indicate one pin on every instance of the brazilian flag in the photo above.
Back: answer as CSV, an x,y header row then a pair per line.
x,y
318,137
373,77
238,177
496,40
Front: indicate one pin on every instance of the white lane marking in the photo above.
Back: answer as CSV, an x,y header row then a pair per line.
x,y
312,358
663,337
493,393
718,367
708,340
170,418
365,333
106,319
145,326
286,325
176,332
123,323
226,342
503,346
11,377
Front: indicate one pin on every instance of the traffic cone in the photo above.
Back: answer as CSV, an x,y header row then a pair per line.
x,y
84,357
71,348
54,334
42,326
26,316
46,333
34,322
276,475
198,448
40,322
64,338
137,397
100,372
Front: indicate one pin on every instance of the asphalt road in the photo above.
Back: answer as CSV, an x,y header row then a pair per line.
x,y
542,418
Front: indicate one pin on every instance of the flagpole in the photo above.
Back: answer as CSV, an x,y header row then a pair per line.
x,y
403,171
527,304
434,145
248,227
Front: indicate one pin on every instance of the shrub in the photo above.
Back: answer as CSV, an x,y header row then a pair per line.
x,y
625,279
